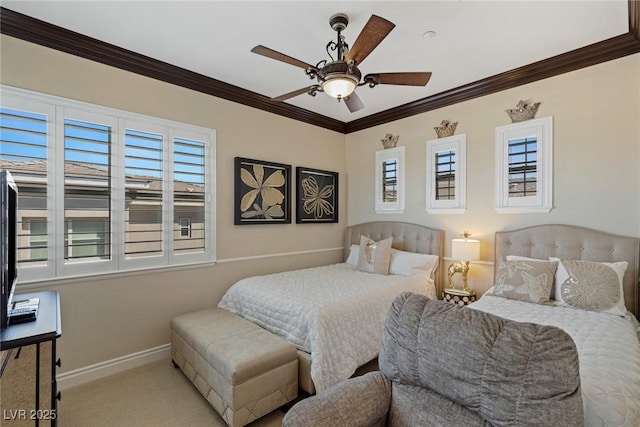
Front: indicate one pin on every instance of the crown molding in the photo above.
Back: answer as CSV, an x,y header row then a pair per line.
x,y
603,51
634,18
26,28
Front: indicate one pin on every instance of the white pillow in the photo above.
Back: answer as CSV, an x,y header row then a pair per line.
x,y
617,306
524,258
374,257
354,253
413,264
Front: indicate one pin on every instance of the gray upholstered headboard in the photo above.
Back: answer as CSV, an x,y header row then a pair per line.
x,y
406,237
579,243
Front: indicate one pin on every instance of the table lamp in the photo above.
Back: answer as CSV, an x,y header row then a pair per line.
x,y
463,250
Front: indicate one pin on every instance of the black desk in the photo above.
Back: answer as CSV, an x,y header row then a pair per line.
x,y
46,327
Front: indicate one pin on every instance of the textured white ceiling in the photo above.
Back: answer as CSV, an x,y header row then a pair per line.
x,y
475,39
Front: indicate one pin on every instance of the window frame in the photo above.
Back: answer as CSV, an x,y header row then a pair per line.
x,y
382,156
57,109
542,202
457,205
183,228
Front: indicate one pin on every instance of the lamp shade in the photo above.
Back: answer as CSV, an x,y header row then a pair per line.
x,y
339,86
465,250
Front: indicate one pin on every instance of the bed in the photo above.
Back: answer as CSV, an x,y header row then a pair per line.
x,y
335,314
608,344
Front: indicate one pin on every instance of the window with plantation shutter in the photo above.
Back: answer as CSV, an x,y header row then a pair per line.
x,y
389,176
524,166
104,190
389,181
446,174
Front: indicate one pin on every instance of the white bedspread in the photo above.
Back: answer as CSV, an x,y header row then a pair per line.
x,y
334,312
608,351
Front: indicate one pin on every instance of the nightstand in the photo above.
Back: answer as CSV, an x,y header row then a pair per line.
x,y
458,296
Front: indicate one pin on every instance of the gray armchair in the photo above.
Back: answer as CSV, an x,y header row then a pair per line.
x,y
444,365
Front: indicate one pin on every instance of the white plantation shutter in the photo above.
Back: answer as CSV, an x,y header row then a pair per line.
x,y
143,222
24,151
104,190
87,191
189,177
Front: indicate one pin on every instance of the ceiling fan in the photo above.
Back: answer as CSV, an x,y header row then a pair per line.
x,y
340,76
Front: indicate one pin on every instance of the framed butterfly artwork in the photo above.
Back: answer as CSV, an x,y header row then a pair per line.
x,y
316,196
262,192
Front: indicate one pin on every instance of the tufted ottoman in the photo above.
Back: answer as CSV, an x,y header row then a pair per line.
x,y
243,370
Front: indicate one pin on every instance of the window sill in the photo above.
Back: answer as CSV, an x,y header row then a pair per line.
x,y
59,281
522,210
446,211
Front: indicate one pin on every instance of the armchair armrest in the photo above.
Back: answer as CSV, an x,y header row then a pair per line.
x,y
360,401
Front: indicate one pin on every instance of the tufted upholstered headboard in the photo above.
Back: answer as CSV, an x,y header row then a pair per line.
x,y
406,237
575,243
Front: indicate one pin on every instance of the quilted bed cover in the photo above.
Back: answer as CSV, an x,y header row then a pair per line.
x,y
608,350
334,312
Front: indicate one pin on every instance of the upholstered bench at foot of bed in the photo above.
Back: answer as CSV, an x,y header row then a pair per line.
x,y
243,370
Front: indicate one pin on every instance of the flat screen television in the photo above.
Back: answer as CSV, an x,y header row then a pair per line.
x,y
9,242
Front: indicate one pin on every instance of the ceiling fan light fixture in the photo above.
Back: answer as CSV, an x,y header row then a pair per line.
x,y
339,86
338,79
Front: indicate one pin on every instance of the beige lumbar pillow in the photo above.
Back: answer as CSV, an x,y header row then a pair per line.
x,y
374,257
530,281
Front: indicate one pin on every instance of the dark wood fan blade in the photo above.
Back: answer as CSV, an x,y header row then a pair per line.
x,y
353,102
372,34
292,94
409,79
273,54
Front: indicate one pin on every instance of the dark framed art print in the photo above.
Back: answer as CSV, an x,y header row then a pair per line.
x,y
262,192
316,196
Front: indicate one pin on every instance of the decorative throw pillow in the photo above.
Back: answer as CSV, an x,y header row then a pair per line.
x,y
594,286
354,253
530,281
412,264
374,256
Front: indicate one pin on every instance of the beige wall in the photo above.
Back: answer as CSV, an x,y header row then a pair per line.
x,y
596,114
105,318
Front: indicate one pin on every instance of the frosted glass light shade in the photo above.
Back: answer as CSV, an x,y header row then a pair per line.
x,y
465,250
339,87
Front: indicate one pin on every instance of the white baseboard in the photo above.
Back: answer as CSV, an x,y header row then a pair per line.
x,y
113,366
